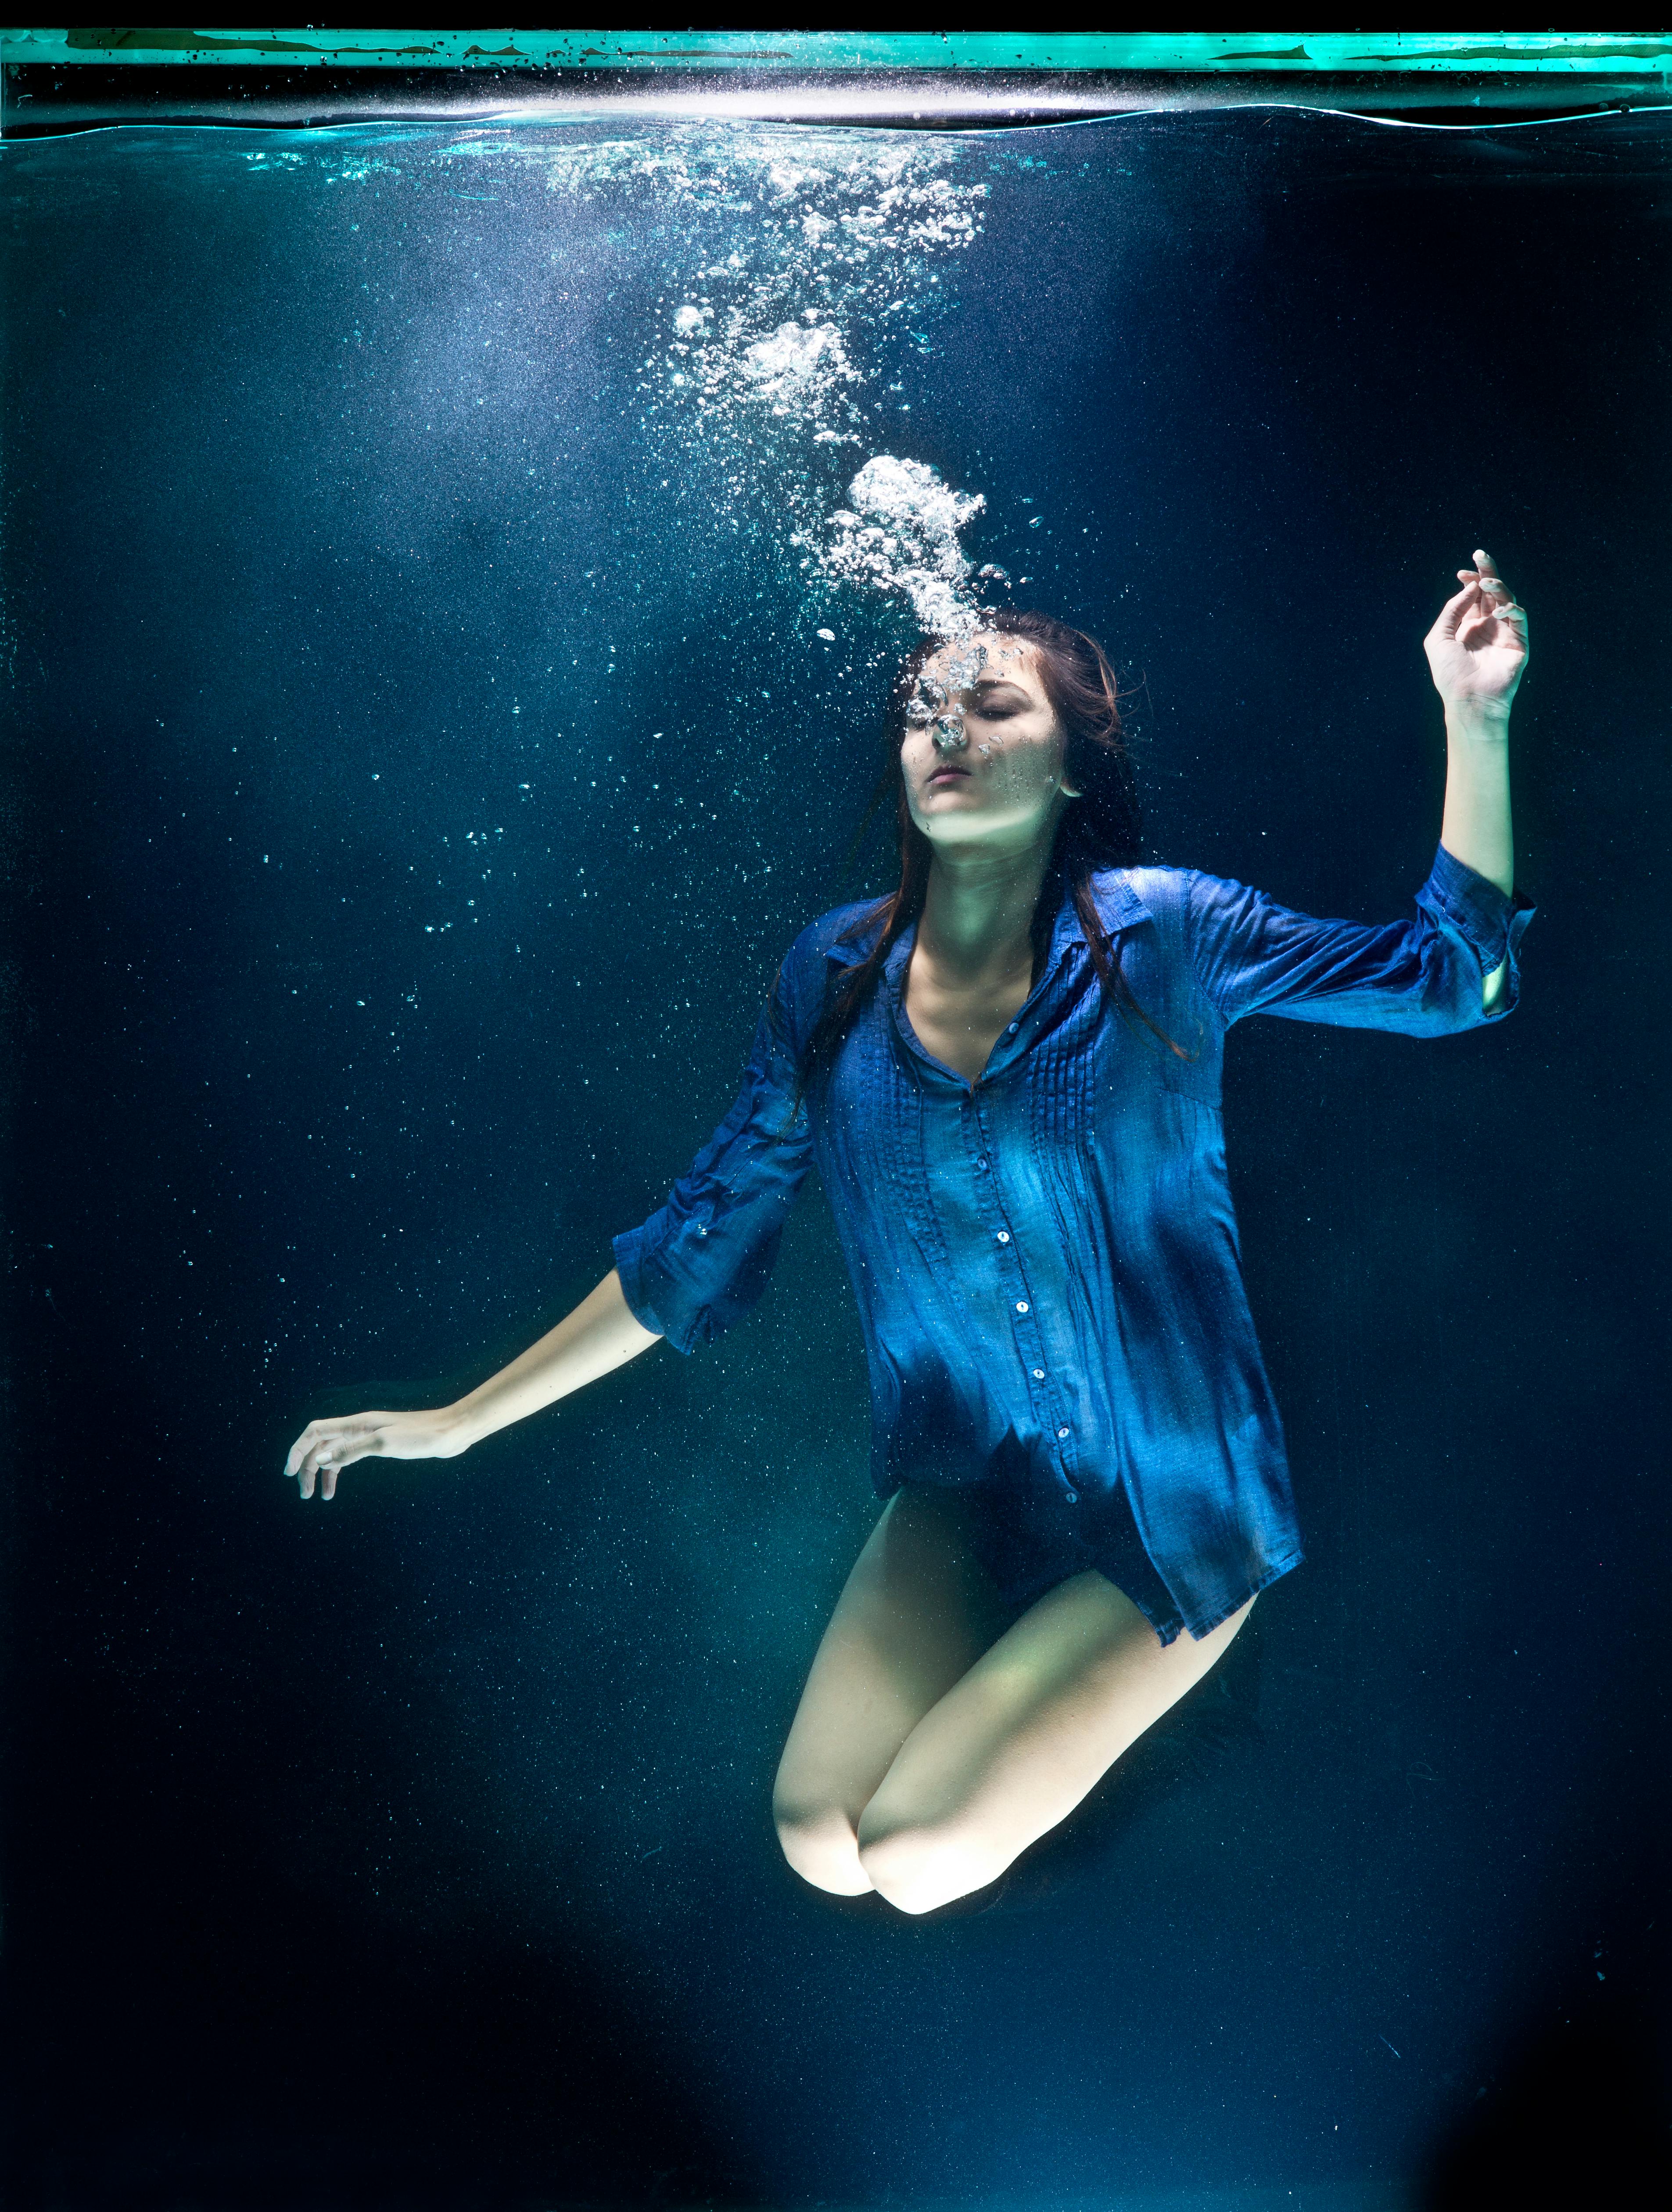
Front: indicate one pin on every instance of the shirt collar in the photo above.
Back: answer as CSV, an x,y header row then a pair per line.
x,y
1119,907
848,952
1117,901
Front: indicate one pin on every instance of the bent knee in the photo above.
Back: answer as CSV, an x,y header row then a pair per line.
x,y
819,1842
919,1867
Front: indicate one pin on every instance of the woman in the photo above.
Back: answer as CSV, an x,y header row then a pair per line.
x,y
1008,1075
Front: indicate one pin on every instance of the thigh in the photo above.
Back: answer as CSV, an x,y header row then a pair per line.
x,y
917,1612
1021,1736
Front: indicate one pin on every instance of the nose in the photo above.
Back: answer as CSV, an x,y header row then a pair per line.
x,y
949,735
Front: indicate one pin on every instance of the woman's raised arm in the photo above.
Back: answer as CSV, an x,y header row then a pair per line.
x,y
1476,651
599,1335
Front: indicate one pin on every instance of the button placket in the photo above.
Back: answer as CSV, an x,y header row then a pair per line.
x,y
1030,1342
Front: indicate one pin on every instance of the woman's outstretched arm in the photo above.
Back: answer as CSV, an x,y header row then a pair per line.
x,y
600,1333
1477,650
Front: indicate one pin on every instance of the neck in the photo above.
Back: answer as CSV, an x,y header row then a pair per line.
x,y
978,914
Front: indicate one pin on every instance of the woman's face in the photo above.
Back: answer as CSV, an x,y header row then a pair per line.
x,y
983,755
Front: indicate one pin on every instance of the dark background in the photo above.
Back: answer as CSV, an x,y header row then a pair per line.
x,y
416,1848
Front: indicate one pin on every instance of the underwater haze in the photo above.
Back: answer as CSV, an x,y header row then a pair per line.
x,y
452,582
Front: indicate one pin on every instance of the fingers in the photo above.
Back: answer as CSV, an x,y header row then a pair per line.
x,y
1490,609
1470,618
325,1448
311,1449
321,1466
1457,609
1485,570
1484,574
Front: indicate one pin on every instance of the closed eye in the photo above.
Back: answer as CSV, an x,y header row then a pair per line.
x,y
998,703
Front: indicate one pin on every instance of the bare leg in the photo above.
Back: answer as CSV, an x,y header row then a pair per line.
x,y
1017,1741
915,1614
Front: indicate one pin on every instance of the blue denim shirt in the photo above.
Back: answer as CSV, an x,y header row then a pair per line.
x,y
1046,1260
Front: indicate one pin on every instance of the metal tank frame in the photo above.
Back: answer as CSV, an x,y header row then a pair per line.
x,y
60,80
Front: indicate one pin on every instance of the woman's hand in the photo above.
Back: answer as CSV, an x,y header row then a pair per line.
x,y
601,1333
1477,648
325,1448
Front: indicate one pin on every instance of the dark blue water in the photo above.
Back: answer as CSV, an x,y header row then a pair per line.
x,y
422,742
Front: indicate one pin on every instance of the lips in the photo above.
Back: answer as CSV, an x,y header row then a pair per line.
x,y
946,774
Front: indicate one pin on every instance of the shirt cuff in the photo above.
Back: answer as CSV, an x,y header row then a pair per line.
x,y
1490,923
629,1251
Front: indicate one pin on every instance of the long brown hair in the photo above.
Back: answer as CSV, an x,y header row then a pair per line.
x,y
1101,828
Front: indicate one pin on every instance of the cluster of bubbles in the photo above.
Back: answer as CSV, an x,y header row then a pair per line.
x,y
900,534
936,703
788,274
789,278
799,373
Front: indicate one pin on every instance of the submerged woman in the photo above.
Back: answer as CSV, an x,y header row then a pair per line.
x,y
1008,1076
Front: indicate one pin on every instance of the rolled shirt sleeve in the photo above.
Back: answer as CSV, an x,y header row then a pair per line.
x,y
1423,976
703,1260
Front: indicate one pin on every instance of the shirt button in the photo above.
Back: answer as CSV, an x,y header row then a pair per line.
x,y
1021,1305
981,1162
1013,1027
1004,1236
1038,1375
1062,1432
1072,1496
